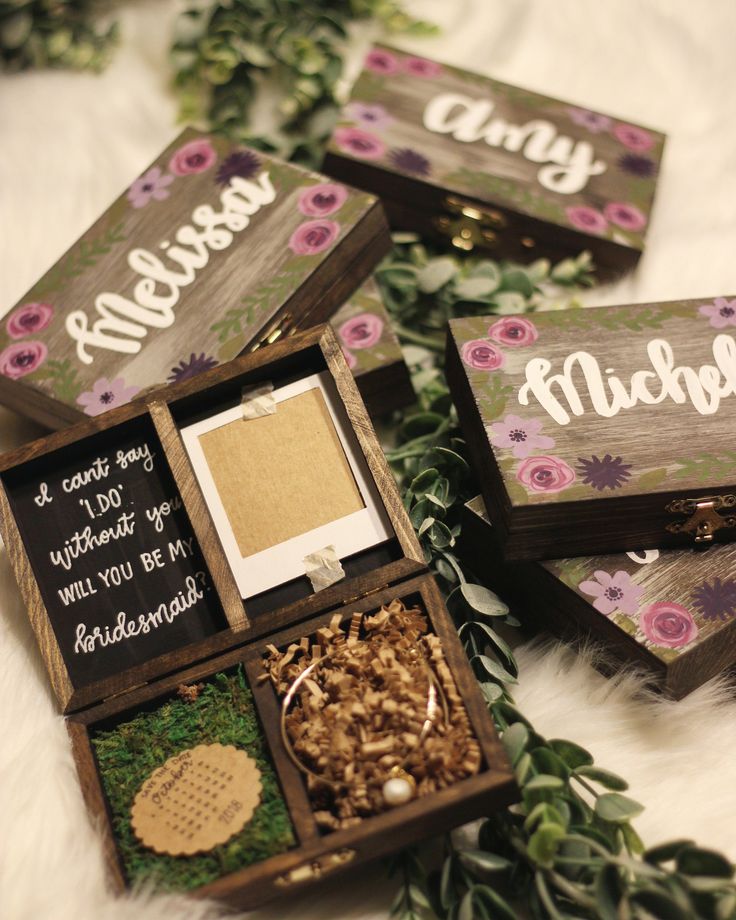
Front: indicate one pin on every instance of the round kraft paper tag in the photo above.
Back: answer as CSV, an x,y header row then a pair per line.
x,y
198,799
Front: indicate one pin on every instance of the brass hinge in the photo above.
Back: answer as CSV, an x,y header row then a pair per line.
x,y
360,597
114,696
469,226
280,329
703,518
315,869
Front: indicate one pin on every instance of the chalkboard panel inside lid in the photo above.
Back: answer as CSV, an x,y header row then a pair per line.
x,y
372,351
179,493
181,524
213,250
601,430
671,611
492,165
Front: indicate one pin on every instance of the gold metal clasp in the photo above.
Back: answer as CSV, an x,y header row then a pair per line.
x,y
315,869
703,517
469,226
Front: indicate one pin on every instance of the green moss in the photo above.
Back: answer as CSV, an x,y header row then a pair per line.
x,y
129,752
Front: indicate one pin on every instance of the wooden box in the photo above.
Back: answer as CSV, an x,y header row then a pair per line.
x,y
214,250
670,613
491,165
373,352
162,513
601,430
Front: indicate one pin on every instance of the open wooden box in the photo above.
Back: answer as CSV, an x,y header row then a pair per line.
x,y
669,613
485,164
601,430
55,494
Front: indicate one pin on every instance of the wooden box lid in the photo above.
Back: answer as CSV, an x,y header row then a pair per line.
x,y
601,430
494,165
372,351
123,567
212,250
672,611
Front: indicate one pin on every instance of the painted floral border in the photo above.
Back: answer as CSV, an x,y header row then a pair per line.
x,y
523,446
364,329
361,134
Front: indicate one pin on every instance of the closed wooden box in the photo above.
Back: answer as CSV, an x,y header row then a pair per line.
x,y
671,614
213,250
601,430
373,352
486,164
120,533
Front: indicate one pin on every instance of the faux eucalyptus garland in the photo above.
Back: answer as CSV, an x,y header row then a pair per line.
x,y
569,848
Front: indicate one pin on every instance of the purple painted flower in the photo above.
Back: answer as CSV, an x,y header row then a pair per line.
x,y
521,435
410,161
380,61
323,199
667,624
637,165
636,139
513,330
361,331
22,358
613,592
243,164
716,601
721,312
106,394
586,219
359,143
367,114
482,355
545,474
593,121
31,317
314,236
197,364
422,67
607,473
151,185
625,215
193,157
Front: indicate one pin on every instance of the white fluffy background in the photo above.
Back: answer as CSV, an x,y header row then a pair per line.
x,y
70,142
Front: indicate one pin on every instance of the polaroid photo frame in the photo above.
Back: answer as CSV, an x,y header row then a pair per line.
x,y
284,561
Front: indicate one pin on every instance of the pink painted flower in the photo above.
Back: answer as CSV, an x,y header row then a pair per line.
x,y
323,199
370,115
482,355
193,157
31,317
613,592
514,331
586,219
106,394
350,358
721,312
361,331
545,474
421,67
624,215
593,121
152,185
634,138
22,358
359,143
667,624
314,236
521,435
380,61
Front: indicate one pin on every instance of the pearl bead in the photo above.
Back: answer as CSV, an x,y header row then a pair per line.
x,y
397,791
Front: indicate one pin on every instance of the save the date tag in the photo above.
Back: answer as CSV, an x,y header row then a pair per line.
x,y
198,799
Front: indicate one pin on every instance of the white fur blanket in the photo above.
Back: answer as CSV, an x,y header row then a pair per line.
x,y
70,142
